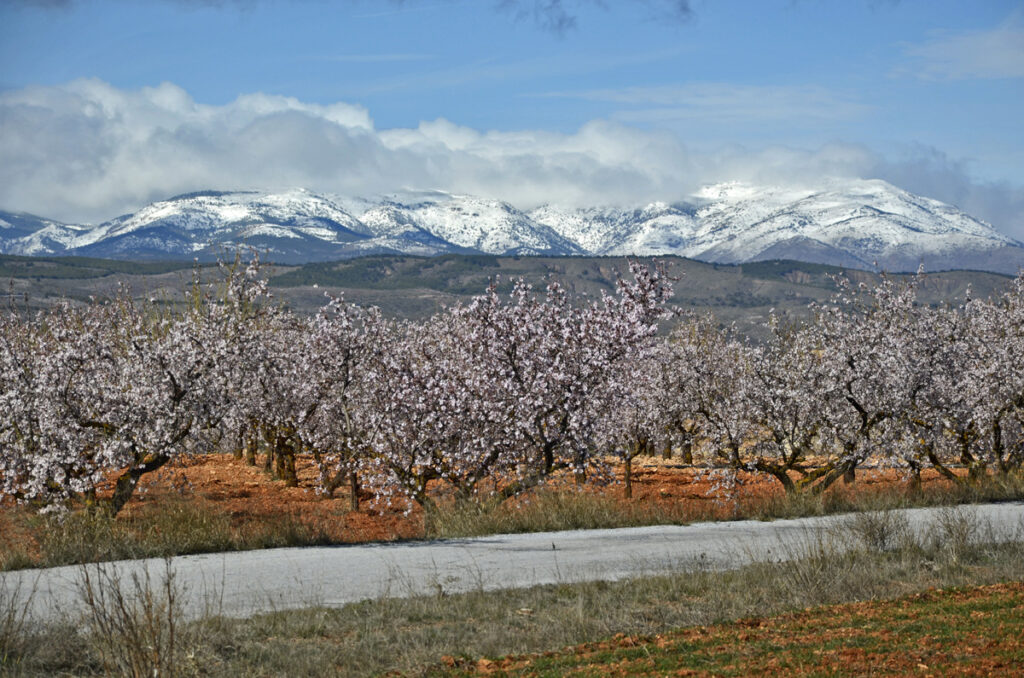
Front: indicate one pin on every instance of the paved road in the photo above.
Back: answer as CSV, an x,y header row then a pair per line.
x,y
243,583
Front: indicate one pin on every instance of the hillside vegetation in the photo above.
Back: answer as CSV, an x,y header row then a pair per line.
x,y
417,287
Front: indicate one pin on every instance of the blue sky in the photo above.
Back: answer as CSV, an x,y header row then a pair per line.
x,y
107,104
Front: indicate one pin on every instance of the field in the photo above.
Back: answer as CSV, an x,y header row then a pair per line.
x,y
444,412
770,617
690,623
969,632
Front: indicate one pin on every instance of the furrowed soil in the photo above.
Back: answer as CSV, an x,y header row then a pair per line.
x,y
225,489
969,632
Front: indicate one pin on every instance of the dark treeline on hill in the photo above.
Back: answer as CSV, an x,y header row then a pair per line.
x,y
81,267
416,287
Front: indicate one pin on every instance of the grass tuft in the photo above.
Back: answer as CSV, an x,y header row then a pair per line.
x,y
134,628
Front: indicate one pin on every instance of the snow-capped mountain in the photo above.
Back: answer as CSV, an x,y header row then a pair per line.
x,y
859,223
295,224
29,235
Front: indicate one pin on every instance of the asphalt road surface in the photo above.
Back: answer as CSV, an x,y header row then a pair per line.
x,y
244,583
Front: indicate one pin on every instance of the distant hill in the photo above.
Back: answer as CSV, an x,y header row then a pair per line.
x,y
415,287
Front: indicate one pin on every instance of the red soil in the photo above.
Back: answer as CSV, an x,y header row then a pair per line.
x,y
247,493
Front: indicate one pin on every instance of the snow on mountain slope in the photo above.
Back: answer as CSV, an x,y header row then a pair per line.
x,y
29,235
291,226
394,230
658,228
489,226
859,223
872,221
214,214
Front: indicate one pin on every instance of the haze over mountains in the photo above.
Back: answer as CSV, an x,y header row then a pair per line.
x,y
852,223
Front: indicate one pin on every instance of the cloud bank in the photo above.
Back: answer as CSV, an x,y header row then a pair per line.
x,y
87,151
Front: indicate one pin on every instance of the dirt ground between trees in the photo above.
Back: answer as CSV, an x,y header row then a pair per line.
x,y
251,497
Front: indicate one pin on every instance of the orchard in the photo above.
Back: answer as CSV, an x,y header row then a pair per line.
x,y
489,399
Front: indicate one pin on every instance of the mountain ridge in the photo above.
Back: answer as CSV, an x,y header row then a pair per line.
x,y
867,224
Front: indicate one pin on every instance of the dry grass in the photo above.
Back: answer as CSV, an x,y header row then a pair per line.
x,y
178,526
133,628
568,508
552,509
866,557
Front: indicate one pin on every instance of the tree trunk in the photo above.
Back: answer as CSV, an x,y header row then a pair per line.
x,y
549,458
688,452
997,444
832,476
353,489
628,472
251,443
284,453
779,473
125,486
914,485
941,468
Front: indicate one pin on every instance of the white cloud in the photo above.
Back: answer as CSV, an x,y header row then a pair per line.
x,y
87,151
996,53
929,171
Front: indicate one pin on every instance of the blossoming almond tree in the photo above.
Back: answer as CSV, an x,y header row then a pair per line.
x,y
339,345
428,413
548,361
119,388
994,380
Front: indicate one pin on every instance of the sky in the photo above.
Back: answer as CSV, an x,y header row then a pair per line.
x,y
106,105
